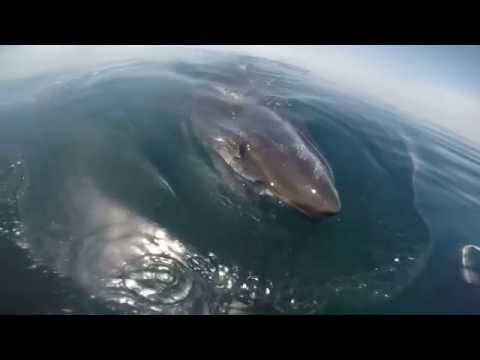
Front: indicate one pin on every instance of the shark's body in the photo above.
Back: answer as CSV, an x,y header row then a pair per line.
x,y
263,149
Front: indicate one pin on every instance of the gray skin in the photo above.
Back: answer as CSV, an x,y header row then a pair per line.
x,y
264,149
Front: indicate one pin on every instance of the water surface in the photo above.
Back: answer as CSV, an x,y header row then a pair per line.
x,y
108,206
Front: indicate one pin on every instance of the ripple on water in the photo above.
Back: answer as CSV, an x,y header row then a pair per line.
x,y
369,254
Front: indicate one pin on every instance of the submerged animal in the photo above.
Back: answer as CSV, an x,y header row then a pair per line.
x,y
264,150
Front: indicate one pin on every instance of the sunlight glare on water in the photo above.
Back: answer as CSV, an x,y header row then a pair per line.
x,y
119,209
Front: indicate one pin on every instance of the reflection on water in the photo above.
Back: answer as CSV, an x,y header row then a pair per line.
x,y
471,264
108,191
135,264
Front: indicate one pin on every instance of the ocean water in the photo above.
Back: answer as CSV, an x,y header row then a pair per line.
x,y
109,206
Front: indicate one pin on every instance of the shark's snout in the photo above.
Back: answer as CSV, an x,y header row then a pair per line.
x,y
303,182
318,204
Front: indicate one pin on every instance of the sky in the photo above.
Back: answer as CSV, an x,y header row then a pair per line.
x,y
440,84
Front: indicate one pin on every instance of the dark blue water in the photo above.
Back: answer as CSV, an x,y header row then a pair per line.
x,y
92,161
